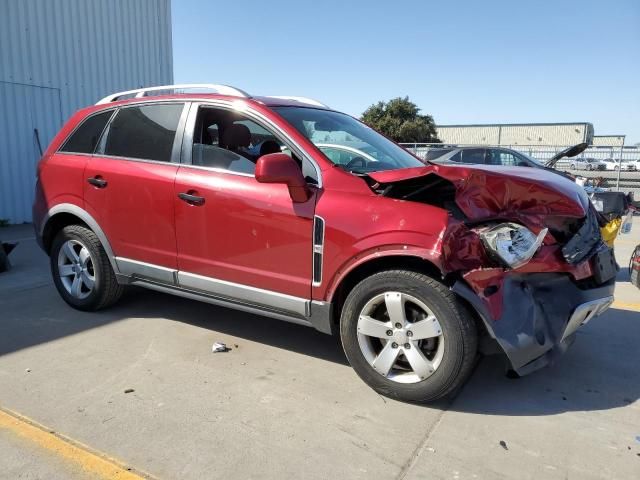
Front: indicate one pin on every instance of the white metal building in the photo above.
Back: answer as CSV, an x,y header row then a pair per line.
x,y
609,140
540,134
57,56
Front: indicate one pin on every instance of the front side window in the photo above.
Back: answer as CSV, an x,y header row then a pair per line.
x,y
365,149
228,140
146,132
86,136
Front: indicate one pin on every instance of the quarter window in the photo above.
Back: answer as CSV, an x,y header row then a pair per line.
x,y
86,136
146,132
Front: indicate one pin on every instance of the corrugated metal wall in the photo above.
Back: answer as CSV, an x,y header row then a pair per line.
x,y
57,56
609,140
515,134
473,135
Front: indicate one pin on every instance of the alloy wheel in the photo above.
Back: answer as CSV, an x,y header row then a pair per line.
x,y
76,269
400,337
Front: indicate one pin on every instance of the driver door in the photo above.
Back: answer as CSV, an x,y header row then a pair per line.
x,y
243,240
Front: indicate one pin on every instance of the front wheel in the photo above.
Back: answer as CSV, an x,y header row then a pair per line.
x,y
408,336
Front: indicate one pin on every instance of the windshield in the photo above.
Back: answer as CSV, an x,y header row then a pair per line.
x,y
347,142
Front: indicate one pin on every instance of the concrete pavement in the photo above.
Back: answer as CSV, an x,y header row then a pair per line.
x,y
284,403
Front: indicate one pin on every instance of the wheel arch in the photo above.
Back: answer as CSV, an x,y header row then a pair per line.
x,y
374,265
62,215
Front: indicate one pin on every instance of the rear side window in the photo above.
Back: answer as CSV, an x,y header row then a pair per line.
x,y
473,155
436,153
146,132
86,136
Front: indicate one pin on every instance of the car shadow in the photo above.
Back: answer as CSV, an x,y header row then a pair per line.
x,y
599,372
624,275
276,333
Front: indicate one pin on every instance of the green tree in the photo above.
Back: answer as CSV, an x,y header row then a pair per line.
x,y
400,120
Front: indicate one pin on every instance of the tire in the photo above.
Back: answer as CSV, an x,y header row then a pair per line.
x,y
573,166
73,275
589,167
450,356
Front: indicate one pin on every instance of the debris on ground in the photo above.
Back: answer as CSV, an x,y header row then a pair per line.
x,y
219,347
129,390
503,444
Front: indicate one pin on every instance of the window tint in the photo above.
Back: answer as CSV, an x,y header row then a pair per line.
x,y
86,136
144,132
473,155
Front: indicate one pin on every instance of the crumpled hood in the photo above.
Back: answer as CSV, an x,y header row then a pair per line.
x,y
489,192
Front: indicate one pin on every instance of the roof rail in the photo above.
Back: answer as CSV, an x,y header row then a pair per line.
x,y
310,101
142,92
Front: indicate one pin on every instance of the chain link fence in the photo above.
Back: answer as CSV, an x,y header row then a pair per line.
x,y
597,164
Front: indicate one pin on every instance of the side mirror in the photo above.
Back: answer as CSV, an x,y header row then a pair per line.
x,y
281,168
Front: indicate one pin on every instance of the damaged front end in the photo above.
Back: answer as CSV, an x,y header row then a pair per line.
x,y
522,247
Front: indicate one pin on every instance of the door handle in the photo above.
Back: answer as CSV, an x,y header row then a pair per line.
x,y
97,181
191,199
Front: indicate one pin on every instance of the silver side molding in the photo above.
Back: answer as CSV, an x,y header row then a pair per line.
x,y
245,293
222,302
136,269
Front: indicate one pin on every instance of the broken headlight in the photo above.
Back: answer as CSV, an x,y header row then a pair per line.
x,y
511,244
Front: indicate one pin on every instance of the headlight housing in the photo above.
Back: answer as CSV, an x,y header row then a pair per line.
x,y
511,244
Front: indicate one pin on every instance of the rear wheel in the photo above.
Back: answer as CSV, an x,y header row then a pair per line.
x,y
81,270
407,336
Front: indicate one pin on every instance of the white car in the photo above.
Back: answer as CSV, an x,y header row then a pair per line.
x,y
587,164
614,164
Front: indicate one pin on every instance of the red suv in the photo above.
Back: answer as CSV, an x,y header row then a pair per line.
x,y
283,207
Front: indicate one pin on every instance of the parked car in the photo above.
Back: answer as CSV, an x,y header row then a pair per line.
x,y
481,156
587,164
614,164
416,267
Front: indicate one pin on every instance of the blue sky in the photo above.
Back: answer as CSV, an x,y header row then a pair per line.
x,y
461,61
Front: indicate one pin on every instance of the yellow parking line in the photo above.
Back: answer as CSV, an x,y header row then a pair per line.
x,y
635,307
95,465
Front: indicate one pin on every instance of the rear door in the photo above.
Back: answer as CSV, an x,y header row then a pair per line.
x,y
129,186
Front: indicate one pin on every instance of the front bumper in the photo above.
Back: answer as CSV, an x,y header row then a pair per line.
x,y
539,316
